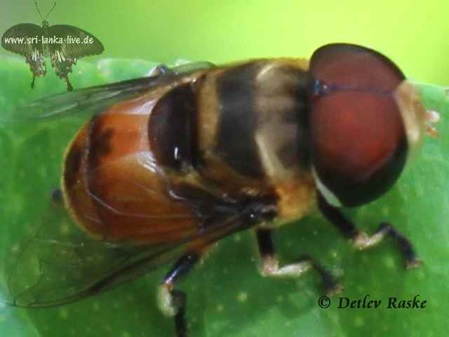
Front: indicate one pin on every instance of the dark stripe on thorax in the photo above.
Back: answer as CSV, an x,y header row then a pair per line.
x,y
235,142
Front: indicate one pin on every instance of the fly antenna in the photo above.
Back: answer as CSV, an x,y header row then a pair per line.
x,y
40,14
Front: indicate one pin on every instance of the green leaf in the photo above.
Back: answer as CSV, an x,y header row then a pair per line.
x,y
226,295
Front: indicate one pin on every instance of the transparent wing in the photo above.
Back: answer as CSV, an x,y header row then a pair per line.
x,y
94,99
57,262
47,259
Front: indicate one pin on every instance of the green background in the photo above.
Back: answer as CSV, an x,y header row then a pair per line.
x,y
227,297
413,33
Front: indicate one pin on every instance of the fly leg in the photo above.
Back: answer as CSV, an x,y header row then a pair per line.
x,y
362,240
271,267
172,302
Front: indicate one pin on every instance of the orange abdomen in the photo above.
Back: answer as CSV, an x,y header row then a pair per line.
x,y
112,183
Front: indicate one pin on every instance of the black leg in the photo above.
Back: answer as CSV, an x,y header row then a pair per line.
x,y
362,240
172,302
270,263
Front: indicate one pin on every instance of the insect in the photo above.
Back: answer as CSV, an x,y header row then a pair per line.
x,y
165,166
64,45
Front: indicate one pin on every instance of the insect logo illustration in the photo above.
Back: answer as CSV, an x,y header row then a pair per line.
x,y
64,44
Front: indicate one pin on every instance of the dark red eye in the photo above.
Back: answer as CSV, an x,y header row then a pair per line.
x,y
358,139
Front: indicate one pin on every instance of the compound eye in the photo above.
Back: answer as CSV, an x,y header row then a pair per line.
x,y
358,139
